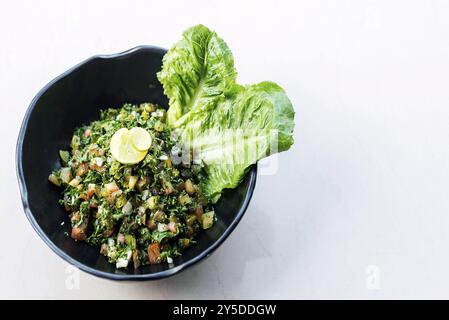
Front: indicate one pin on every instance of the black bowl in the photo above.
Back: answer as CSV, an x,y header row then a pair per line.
x,y
75,98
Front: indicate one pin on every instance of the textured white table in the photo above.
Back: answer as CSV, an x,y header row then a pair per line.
x,y
359,207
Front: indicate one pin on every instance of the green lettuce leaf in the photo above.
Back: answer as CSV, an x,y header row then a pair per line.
x,y
198,69
228,126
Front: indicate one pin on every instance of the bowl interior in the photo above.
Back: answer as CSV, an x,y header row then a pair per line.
x,y
75,98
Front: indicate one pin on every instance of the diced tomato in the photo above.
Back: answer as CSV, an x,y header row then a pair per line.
x,y
154,253
87,133
172,227
79,233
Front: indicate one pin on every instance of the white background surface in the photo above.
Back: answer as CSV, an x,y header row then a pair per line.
x,y
366,183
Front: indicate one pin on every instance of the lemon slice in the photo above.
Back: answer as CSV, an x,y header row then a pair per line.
x,y
123,150
140,138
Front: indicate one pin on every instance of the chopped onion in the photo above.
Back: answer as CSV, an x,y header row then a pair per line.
x,y
99,161
158,113
141,210
111,242
66,175
121,263
145,194
127,208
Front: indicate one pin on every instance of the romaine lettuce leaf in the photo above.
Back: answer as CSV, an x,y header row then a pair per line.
x,y
228,126
196,70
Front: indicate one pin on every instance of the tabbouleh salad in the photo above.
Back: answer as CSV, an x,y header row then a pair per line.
x,y
146,212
